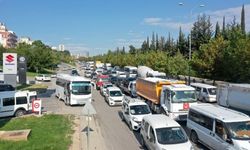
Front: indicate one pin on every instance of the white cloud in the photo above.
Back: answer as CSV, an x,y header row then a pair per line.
x,y
153,21
215,16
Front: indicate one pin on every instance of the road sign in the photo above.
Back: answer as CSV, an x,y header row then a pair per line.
x,y
37,105
88,109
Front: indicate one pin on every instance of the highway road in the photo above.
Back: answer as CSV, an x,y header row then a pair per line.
x,y
115,132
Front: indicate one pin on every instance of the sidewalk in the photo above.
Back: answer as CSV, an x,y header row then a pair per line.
x,y
96,141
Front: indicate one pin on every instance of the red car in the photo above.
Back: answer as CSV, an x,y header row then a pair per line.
x,y
100,80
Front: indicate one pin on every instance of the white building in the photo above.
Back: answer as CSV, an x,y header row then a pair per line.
x,y
61,47
8,39
54,48
26,40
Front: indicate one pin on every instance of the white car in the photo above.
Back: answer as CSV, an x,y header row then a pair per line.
x,y
114,96
43,77
103,89
133,110
160,132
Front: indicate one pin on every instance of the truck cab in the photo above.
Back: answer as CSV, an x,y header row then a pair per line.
x,y
176,99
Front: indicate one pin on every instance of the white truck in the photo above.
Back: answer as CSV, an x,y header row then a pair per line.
x,y
235,96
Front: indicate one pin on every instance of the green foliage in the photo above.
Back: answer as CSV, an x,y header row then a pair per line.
x,y
39,56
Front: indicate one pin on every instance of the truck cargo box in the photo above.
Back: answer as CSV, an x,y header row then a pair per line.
x,y
150,88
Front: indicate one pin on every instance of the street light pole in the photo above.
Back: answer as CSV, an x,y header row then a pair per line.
x,y
190,43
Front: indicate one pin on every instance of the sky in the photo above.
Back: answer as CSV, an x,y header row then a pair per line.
x,y
97,26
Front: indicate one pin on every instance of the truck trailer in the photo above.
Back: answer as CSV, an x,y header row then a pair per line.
x,y
235,96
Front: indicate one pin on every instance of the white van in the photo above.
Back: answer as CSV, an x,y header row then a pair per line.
x,y
159,132
130,71
205,92
218,127
14,103
114,96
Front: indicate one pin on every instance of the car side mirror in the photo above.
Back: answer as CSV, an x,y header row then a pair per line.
x,y
152,140
228,140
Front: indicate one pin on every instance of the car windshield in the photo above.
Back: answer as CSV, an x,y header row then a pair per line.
x,y
108,85
239,130
173,135
81,88
139,110
115,93
104,79
212,91
133,71
46,75
183,96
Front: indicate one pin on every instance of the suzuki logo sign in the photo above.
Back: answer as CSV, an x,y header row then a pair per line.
x,y
9,58
9,63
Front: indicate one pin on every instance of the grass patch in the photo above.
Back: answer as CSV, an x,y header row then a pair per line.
x,y
40,88
50,132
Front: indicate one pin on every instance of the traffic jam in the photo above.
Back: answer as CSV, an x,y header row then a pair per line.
x,y
155,106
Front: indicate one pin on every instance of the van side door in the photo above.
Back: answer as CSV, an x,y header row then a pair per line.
x,y
151,138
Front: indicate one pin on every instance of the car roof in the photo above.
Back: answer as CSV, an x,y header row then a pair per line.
x,y
113,89
160,121
220,113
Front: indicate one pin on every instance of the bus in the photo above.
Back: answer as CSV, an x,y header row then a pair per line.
x,y
73,90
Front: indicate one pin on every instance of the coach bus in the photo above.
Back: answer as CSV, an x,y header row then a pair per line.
x,y
73,90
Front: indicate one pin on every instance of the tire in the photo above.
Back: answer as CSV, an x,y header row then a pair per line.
x,y
130,126
122,117
142,142
19,113
194,137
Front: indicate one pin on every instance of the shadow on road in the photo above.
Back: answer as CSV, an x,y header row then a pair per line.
x,y
136,133
47,94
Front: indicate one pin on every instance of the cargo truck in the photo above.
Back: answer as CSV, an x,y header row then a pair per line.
x,y
235,96
171,97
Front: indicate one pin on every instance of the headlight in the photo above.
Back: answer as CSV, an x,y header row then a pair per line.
x,y
135,119
111,99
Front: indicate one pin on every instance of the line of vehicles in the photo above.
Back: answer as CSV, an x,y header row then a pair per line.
x,y
156,103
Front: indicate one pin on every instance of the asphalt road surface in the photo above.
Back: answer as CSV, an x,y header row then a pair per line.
x,y
116,133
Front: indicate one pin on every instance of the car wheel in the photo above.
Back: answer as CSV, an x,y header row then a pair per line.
x,y
122,117
19,113
194,137
142,142
130,126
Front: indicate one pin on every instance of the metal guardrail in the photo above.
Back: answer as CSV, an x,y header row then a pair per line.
x,y
201,80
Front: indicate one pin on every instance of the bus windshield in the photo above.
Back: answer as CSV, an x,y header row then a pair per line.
x,y
183,96
81,88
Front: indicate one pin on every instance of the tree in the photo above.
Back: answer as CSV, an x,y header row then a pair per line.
x,y
223,32
182,43
217,30
152,46
201,32
243,20
157,42
132,49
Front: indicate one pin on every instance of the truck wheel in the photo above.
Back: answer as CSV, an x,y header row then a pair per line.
x,y
19,113
194,137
